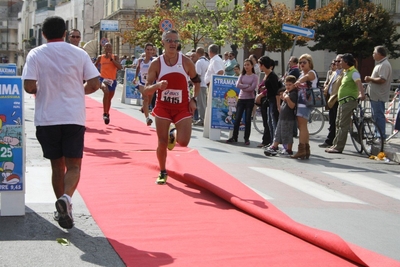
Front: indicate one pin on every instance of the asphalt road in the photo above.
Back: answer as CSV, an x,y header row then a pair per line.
x,y
347,194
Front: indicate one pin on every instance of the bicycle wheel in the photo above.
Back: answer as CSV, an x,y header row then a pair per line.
x,y
355,136
316,121
371,137
258,121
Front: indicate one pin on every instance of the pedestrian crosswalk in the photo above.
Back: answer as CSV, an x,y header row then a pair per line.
x,y
369,183
323,192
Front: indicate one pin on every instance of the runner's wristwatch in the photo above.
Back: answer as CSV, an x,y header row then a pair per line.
x,y
195,99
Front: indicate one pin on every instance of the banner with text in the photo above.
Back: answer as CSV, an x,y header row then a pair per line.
x,y
11,134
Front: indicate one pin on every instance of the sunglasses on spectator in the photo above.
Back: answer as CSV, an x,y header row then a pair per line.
x,y
75,36
170,41
303,62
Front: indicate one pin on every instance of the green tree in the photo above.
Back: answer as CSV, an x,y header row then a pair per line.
x,y
262,24
355,29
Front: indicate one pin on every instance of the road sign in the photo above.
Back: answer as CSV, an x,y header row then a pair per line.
x,y
103,41
166,24
293,29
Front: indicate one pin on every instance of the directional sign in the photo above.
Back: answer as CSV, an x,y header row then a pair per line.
x,y
293,29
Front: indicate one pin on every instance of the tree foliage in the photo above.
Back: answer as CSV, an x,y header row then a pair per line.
x,y
355,29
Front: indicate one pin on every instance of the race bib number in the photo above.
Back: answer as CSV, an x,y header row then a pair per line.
x,y
144,77
172,96
108,81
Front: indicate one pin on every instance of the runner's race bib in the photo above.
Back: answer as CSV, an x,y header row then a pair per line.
x,y
172,96
108,81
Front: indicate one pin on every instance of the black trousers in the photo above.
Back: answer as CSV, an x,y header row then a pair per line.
x,y
332,124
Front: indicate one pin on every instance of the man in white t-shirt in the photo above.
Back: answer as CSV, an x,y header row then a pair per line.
x,y
54,73
201,69
216,65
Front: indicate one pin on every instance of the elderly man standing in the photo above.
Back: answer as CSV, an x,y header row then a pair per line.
x,y
201,69
379,86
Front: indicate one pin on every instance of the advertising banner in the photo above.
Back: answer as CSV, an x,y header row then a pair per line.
x,y
131,87
224,99
8,69
11,134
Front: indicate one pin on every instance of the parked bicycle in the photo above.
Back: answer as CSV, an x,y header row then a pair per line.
x,y
315,123
364,132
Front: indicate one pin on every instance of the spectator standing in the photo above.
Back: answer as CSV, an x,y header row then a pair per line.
x,y
109,65
331,92
60,108
247,83
230,64
379,86
226,57
202,64
350,89
308,78
236,69
268,97
216,65
284,133
254,59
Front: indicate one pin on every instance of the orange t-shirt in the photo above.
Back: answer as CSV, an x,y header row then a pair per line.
x,y
107,68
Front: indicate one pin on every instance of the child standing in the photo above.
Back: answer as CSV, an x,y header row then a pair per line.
x,y
247,83
287,117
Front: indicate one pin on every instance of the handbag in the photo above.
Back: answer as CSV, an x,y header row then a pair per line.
x,y
315,97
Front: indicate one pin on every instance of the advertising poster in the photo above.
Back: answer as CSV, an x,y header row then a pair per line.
x,y
224,99
11,134
8,69
131,90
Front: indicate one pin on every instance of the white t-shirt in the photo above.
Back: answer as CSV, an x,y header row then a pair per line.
x,y
216,64
59,69
201,69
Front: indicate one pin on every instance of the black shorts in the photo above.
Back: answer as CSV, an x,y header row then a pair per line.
x,y
58,141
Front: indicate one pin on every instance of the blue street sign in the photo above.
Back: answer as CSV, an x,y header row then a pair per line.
x,y
293,29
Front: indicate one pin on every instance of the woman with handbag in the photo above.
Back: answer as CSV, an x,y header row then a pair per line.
x,y
308,78
267,97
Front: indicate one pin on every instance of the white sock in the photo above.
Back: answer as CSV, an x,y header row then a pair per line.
x,y
69,198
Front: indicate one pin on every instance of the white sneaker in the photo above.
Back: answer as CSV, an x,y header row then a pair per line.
x,y
64,209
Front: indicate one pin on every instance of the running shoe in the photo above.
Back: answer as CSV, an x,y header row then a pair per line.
x,y
149,121
270,151
106,118
56,216
64,209
171,137
162,178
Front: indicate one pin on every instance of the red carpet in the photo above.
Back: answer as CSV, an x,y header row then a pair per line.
x,y
202,217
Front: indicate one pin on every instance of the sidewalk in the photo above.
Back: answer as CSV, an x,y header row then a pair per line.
x,y
31,240
392,149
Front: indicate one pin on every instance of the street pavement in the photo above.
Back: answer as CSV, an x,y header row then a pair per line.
x,y
347,194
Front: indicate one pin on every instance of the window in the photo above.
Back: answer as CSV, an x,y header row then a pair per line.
x,y
170,3
311,3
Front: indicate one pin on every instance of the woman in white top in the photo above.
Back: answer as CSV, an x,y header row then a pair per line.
x,y
257,69
308,78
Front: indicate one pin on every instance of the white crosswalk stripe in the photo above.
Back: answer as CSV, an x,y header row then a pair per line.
x,y
311,188
369,183
265,196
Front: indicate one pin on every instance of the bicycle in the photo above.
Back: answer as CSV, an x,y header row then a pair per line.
x,y
364,132
257,120
316,121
